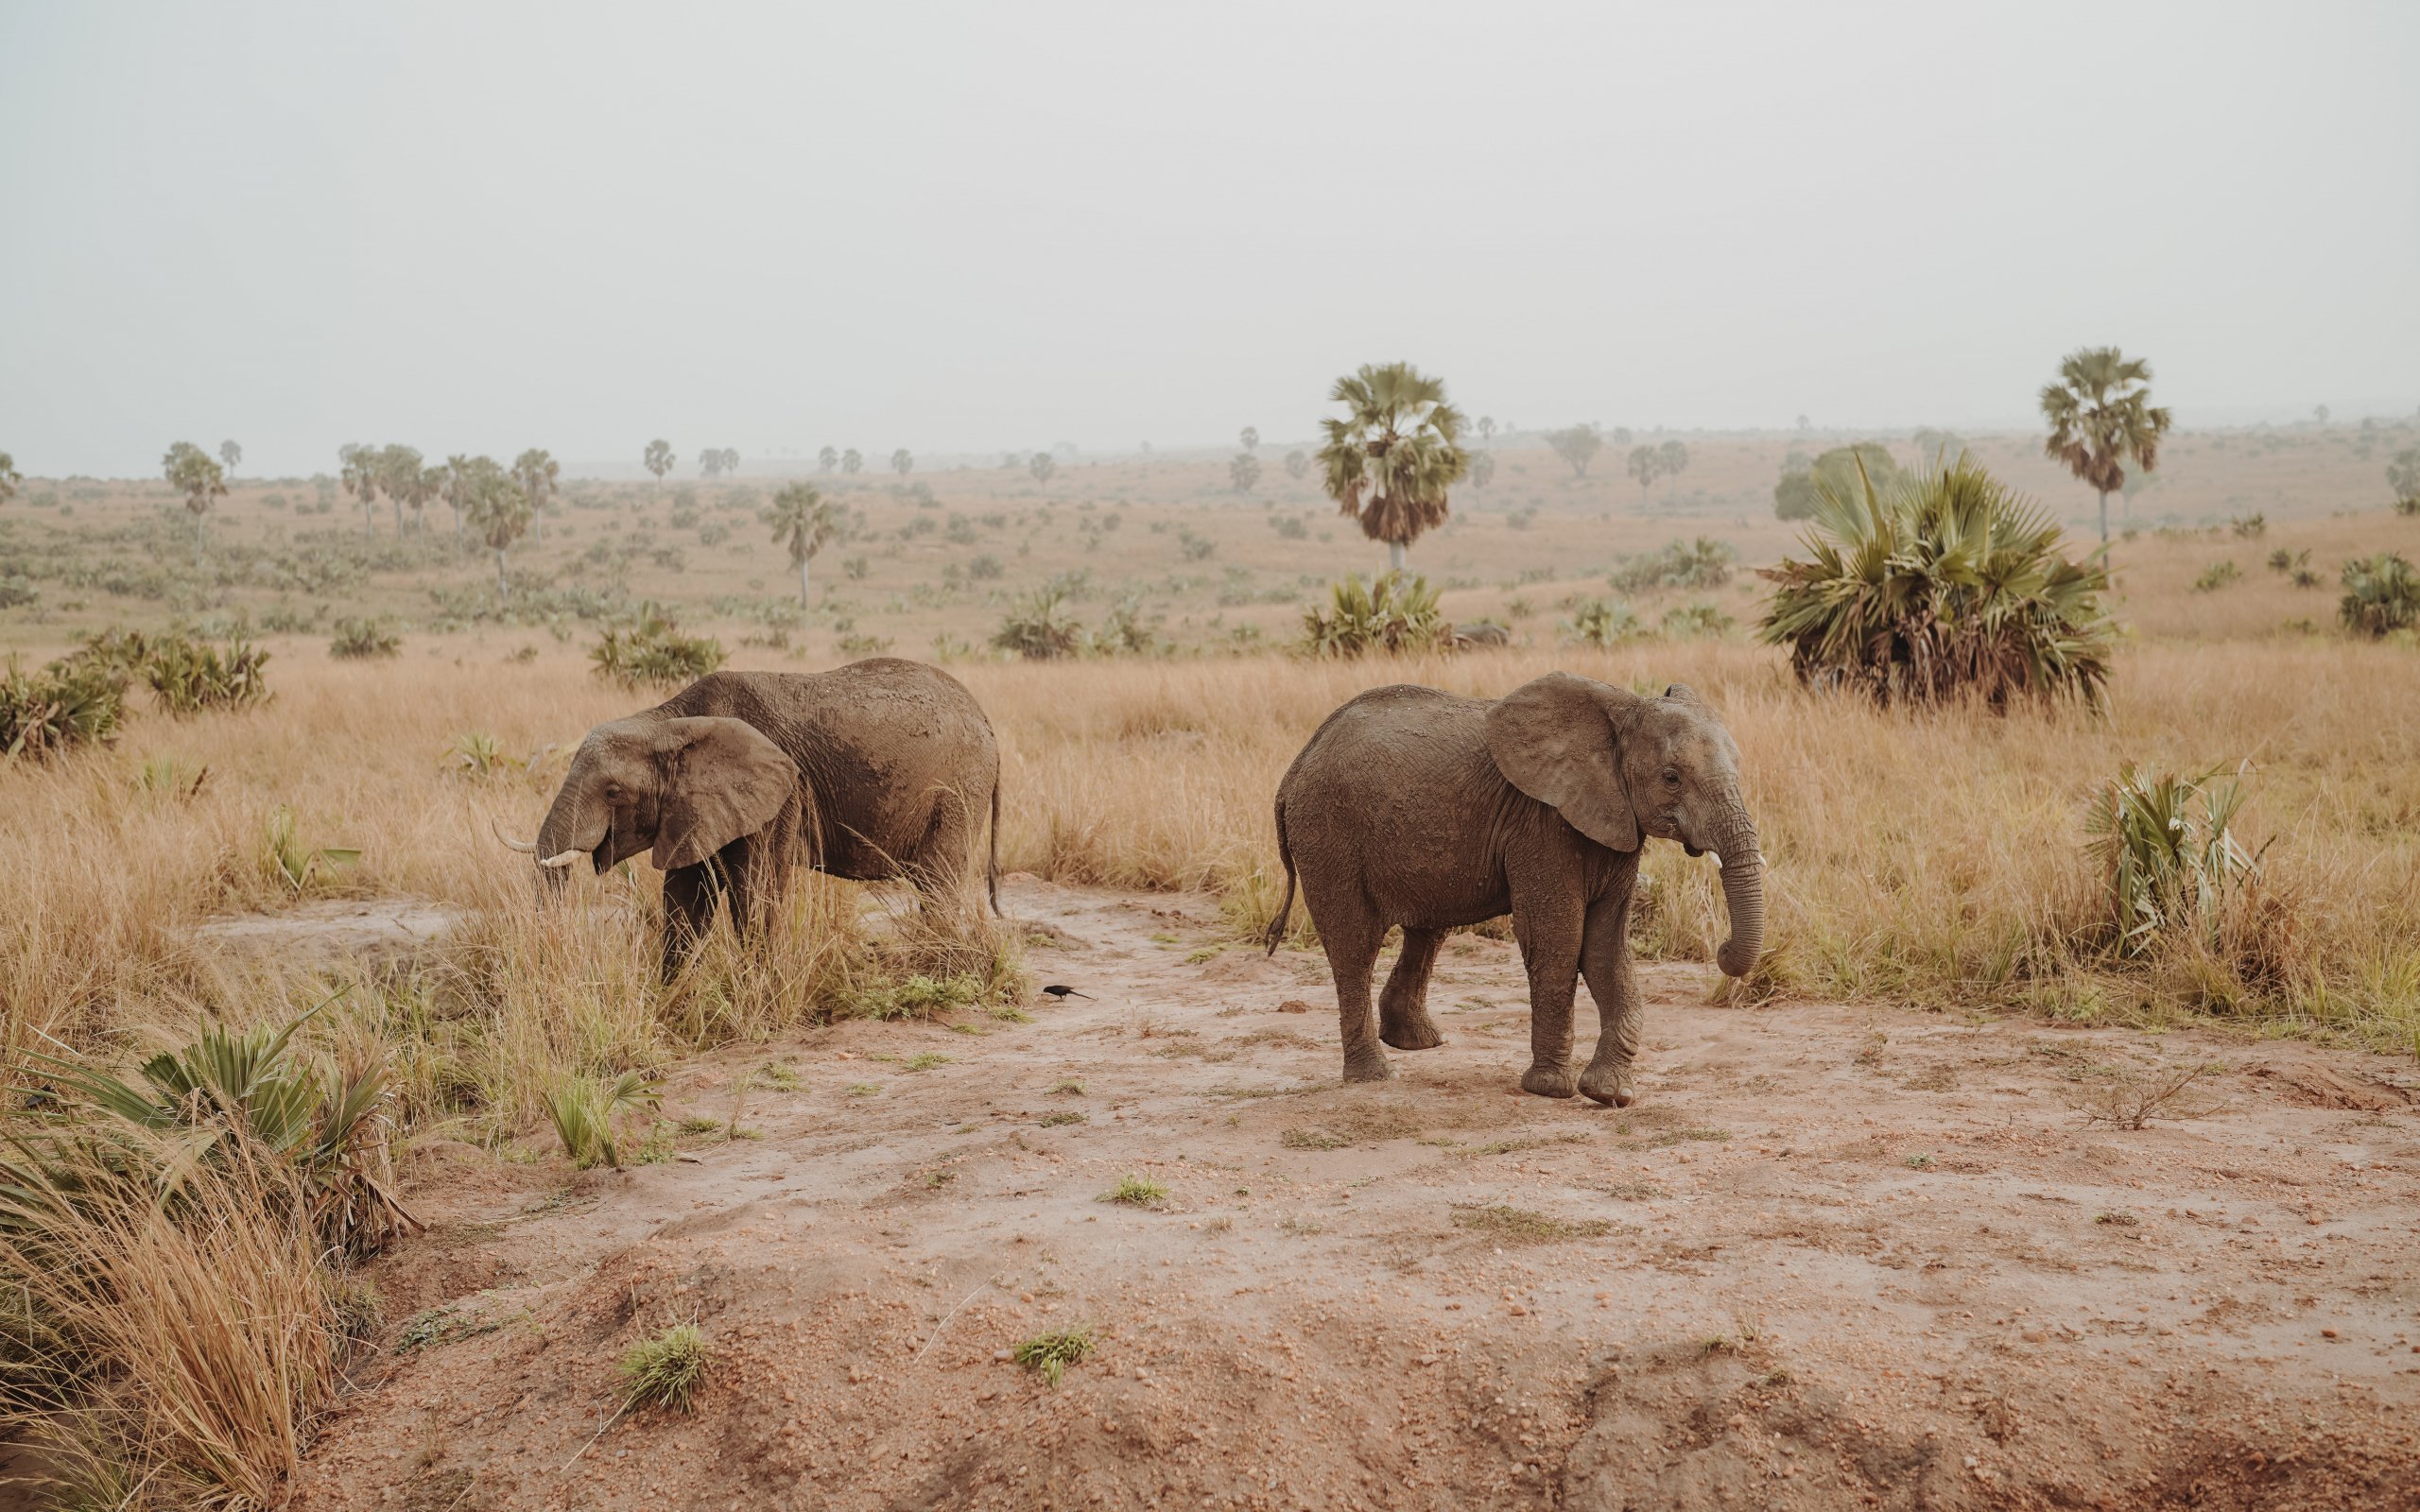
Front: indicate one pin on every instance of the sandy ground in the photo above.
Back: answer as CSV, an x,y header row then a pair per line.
x,y
1831,1258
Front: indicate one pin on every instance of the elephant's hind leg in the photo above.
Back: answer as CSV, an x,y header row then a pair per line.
x,y
1403,1007
1350,932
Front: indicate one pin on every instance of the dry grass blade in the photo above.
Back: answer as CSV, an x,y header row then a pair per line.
x,y
2131,1098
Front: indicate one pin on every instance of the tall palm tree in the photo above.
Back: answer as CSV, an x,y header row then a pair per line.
x,y
536,471
192,472
453,481
499,511
1389,461
398,473
806,522
9,478
2101,417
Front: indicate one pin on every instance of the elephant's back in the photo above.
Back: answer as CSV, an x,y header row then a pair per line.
x,y
1394,738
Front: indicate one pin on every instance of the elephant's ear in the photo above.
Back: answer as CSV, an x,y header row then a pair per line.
x,y
723,779
1553,739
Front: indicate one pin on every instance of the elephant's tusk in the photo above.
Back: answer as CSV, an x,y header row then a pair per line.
x,y
560,862
527,848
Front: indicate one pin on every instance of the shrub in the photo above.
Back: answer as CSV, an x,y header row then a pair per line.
x,y
1390,613
2403,477
1039,628
666,1370
1700,563
1128,630
64,705
2282,561
2216,575
650,652
1950,583
1700,621
16,591
985,568
1601,622
361,640
189,675
2382,596
2249,526
2168,852
583,1110
1050,1354
1843,470
227,1097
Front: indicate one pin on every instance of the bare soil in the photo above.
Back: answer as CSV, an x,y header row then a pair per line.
x,y
1831,1258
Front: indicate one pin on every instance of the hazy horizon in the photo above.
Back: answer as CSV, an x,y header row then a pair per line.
x,y
965,229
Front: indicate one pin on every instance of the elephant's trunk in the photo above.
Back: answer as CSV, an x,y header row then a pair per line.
x,y
1743,890
573,826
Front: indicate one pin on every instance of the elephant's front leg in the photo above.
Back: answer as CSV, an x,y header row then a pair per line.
x,y
758,867
690,894
1403,1006
1611,981
1549,935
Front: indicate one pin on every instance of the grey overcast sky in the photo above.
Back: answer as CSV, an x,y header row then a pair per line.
x,y
992,226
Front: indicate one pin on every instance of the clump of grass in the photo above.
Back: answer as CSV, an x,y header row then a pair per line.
x,y
2167,851
2382,596
666,1370
924,1060
1136,1192
1061,1120
583,1111
650,652
363,640
298,866
1070,1087
1049,1355
1391,614
2131,1098
189,677
1919,1161
58,709
1312,1139
2217,575
1520,1225
864,1088
2117,1220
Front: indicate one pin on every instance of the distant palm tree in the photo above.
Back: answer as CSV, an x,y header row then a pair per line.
x,y
1389,460
453,482
230,453
359,474
658,458
1042,465
537,471
497,510
903,461
398,472
9,478
1251,438
806,522
828,458
2101,418
851,461
191,473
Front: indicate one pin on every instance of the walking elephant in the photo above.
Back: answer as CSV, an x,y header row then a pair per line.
x,y
1419,808
879,769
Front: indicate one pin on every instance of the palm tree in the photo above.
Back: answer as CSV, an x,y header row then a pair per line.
x,y
536,471
903,461
230,453
191,471
658,459
828,458
851,461
453,482
398,472
1390,459
1042,465
359,473
9,478
806,522
2101,417
498,510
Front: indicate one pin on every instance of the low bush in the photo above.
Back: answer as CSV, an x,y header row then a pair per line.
x,y
189,677
1039,628
650,652
1948,584
359,640
585,1112
1391,614
666,1370
1601,622
2168,853
2382,596
64,705
2216,575
1700,563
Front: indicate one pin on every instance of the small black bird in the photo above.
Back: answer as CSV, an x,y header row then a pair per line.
x,y
1055,991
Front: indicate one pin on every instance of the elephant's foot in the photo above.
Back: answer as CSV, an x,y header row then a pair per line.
x,y
1609,1084
1414,1031
1548,1082
1370,1066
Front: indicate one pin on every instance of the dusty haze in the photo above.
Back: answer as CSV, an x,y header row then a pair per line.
x,y
971,228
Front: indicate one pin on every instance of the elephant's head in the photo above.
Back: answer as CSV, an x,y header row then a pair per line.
x,y
1617,766
681,788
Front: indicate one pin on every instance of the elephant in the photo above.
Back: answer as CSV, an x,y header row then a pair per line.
x,y
879,769
1414,807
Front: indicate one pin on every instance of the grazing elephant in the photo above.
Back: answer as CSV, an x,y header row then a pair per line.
x,y
1419,808
879,769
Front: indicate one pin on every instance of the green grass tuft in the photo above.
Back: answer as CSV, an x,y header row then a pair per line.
x,y
1050,1354
1136,1192
666,1370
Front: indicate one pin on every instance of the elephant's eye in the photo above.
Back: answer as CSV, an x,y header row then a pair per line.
x,y
1671,777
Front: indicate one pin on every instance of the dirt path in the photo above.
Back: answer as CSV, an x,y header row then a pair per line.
x,y
1828,1260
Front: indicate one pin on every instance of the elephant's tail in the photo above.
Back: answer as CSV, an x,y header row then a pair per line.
x,y
991,868
1285,907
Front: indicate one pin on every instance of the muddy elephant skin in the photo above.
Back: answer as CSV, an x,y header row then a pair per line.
x,y
1421,809
880,769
